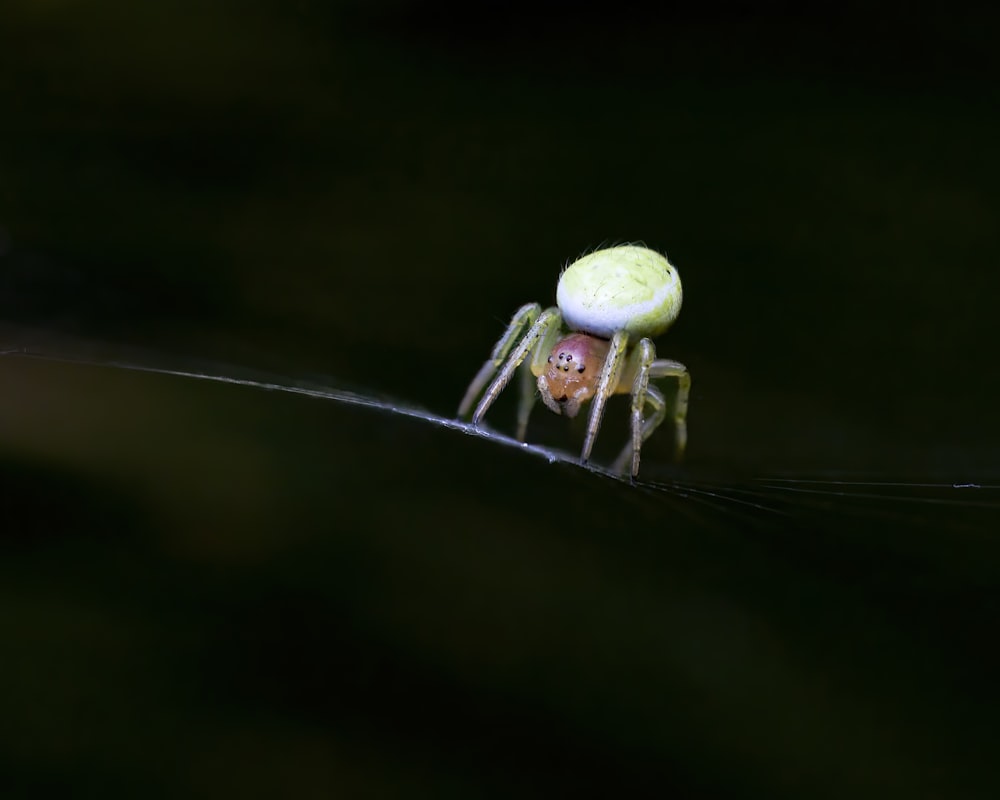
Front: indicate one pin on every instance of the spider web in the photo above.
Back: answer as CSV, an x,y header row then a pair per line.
x,y
767,498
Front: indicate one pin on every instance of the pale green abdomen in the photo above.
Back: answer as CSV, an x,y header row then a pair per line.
x,y
626,288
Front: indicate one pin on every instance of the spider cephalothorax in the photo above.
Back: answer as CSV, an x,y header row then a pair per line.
x,y
572,372
612,302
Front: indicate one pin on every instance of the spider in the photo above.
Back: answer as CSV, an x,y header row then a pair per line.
x,y
596,342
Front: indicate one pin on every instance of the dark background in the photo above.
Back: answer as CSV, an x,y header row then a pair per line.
x,y
209,589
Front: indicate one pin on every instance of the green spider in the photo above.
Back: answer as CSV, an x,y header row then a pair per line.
x,y
596,342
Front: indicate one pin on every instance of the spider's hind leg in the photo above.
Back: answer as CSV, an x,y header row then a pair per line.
x,y
665,368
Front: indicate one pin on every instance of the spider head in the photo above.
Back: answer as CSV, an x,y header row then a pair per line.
x,y
571,376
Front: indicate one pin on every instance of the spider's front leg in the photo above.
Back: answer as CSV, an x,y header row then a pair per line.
x,y
514,348
646,367
607,383
523,317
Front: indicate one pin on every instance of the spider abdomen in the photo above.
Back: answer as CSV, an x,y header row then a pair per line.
x,y
627,288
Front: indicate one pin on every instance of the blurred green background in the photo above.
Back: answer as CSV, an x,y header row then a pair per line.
x,y
210,589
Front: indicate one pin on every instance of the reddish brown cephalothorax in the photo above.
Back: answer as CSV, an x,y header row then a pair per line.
x,y
572,372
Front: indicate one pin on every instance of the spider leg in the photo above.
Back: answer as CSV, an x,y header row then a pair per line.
x,y
645,355
541,334
666,368
629,458
523,318
646,367
526,402
606,385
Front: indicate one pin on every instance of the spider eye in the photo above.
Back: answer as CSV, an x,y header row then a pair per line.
x,y
550,359
581,368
